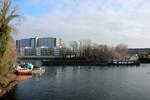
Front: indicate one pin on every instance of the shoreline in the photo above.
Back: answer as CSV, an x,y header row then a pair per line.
x,y
9,81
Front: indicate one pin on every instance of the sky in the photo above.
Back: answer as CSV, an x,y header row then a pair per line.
x,y
108,22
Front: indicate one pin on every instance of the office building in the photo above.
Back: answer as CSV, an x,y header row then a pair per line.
x,y
48,46
28,51
36,42
33,42
22,44
44,51
46,42
56,51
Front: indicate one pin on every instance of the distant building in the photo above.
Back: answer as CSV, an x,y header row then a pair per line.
x,y
59,42
48,46
56,51
44,51
46,42
28,51
36,42
23,43
141,52
85,43
33,42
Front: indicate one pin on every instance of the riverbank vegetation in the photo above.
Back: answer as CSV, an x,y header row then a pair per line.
x,y
8,55
87,49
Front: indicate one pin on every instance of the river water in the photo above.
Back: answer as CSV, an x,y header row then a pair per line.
x,y
86,83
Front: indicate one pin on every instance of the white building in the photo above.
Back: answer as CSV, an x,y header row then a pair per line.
x,y
59,42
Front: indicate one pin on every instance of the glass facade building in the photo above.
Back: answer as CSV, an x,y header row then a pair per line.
x,y
46,42
36,42
38,46
22,44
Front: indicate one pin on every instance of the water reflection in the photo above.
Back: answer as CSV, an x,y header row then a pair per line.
x,y
23,77
86,83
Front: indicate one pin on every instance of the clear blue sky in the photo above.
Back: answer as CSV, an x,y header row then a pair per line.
x,y
102,21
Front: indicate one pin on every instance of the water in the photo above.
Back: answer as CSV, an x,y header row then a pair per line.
x,y
86,83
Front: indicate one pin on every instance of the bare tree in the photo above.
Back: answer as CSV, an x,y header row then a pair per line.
x,y
74,45
85,48
90,50
121,51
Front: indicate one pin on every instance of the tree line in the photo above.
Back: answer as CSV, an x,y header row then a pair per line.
x,y
85,48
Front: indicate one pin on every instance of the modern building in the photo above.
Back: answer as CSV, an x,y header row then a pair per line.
x,y
46,42
56,51
33,42
40,51
36,42
48,46
22,44
59,42
44,51
28,51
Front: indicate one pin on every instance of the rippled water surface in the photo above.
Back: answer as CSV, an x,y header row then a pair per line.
x,y
86,83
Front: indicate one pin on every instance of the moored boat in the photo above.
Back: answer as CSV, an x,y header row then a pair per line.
x,y
24,71
125,62
38,70
28,69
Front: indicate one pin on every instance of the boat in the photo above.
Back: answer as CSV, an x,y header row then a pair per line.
x,y
23,71
125,62
28,69
38,70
